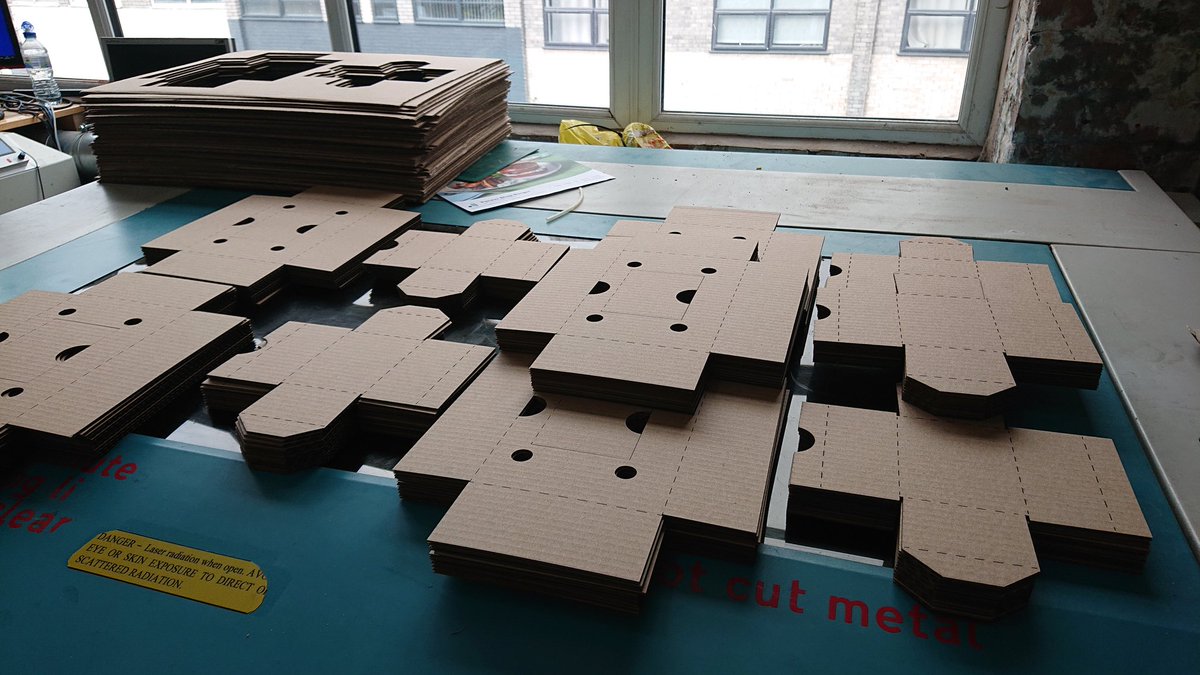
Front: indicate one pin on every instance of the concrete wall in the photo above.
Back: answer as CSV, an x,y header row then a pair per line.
x,y
1114,84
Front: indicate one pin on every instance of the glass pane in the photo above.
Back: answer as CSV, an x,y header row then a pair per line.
x,y
570,29
799,30
855,79
935,32
801,4
67,33
437,10
385,10
602,28
742,29
743,4
513,31
253,24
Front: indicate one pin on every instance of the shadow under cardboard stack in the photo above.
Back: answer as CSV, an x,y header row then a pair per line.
x,y
571,484
973,504
78,372
276,120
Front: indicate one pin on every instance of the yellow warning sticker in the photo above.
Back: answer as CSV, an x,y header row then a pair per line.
x,y
170,568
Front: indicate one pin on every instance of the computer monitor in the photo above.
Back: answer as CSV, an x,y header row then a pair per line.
x,y
130,57
10,49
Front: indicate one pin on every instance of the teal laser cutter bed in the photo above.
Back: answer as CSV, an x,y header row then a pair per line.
x,y
350,587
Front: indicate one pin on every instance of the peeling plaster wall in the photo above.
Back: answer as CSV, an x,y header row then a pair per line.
x,y
1114,84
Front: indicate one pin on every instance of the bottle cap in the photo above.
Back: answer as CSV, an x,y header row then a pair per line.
x,y
28,28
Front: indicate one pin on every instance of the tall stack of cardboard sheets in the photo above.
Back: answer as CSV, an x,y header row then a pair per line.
x,y
570,469
288,120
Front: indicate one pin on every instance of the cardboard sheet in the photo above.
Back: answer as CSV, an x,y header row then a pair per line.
x,y
966,332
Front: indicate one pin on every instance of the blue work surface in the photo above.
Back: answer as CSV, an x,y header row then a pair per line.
x,y
351,590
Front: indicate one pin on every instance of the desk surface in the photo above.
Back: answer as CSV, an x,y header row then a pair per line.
x,y
14,120
417,618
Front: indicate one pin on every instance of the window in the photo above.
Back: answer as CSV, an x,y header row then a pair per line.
x,y
385,11
756,25
463,11
938,27
285,8
576,23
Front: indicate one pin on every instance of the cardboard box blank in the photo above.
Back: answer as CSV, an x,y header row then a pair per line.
x,y
300,397
573,497
77,372
501,258
656,309
966,332
319,237
976,503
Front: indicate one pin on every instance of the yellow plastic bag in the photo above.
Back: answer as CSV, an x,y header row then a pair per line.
x,y
635,135
582,133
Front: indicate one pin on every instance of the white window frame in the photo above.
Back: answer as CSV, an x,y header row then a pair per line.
x,y
636,90
636,84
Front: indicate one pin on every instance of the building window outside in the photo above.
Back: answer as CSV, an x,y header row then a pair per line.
x,y
458,11
938,27
771,25
295,9
576,23
385,11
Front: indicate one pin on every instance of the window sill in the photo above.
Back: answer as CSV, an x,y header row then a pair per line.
x,y
824,51
477,24
940,54
801,146
577,48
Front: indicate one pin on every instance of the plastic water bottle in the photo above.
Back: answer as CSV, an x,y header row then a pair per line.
x,y
37,64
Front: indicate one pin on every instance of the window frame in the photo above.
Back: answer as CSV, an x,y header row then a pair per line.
x,y
458,8
593,12
967,34
767,46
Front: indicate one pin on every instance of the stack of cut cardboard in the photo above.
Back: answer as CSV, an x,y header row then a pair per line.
x,y
500,258
301,396
965,331
319,237
655,308
77,372
289,120
573,497
568,471
972,501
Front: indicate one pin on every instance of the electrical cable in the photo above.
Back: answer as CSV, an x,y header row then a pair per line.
x,y
29,105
